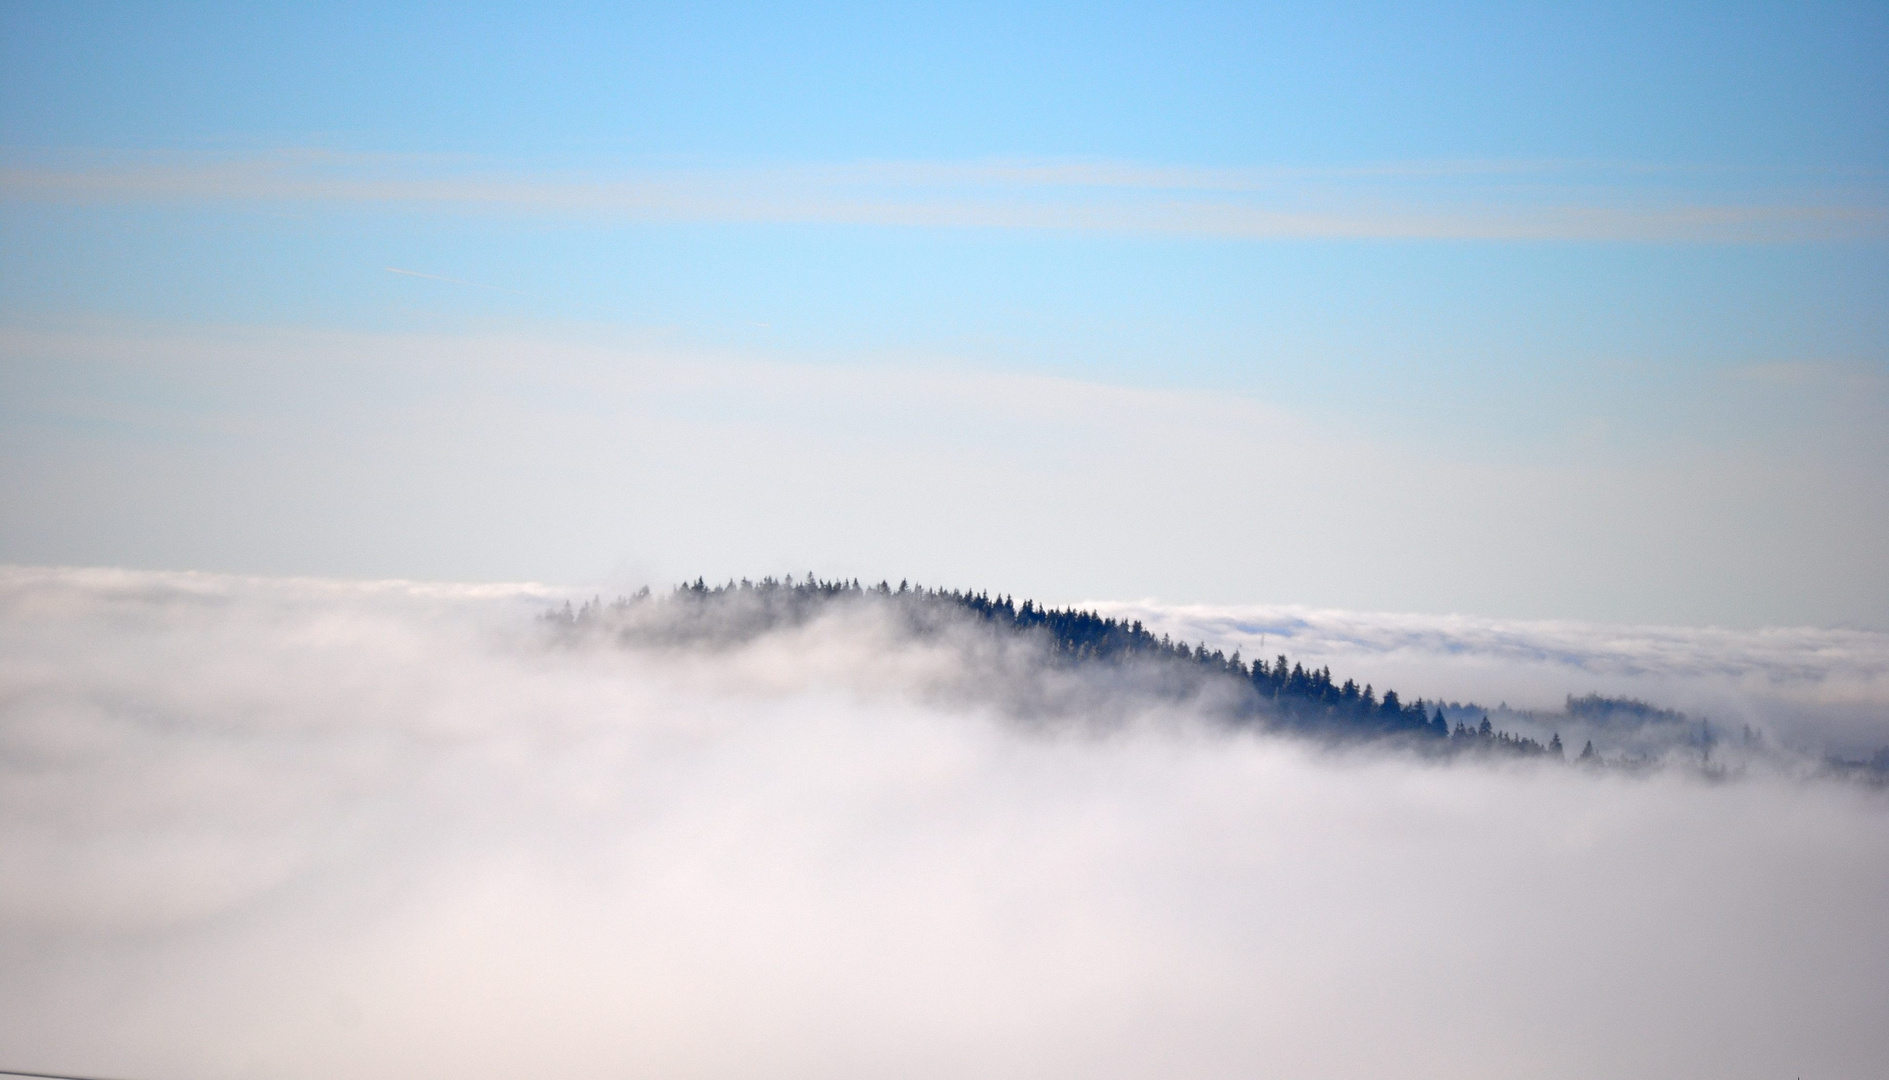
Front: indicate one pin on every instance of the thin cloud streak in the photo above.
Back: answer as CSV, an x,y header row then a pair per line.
x,y
1489,201
451,280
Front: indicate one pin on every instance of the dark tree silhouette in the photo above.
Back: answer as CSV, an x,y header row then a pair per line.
x,y
1280,694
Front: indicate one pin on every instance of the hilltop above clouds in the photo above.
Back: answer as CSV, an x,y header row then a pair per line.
x,y
405,830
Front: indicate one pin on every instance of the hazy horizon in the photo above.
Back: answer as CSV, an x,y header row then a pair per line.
x,y
1376,307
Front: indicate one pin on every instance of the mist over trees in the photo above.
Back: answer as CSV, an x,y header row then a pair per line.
x,y
1277,695
837,832
1078,662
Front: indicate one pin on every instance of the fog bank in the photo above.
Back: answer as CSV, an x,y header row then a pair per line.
x,y
1814,691
310,828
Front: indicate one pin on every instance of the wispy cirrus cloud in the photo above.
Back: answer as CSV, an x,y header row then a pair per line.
x,y
1470,200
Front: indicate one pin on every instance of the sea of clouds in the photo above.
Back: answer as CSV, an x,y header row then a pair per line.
x,y
308,828
1810,692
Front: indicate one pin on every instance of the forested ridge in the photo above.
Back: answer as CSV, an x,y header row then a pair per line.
x,y
1277,694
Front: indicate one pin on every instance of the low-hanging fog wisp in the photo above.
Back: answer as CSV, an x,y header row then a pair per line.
x,y
306,829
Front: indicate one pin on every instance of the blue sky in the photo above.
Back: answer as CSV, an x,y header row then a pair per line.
x,y
1767,86
1534,311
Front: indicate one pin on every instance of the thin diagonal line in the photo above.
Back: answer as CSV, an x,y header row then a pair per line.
x,y
438,277
49,1076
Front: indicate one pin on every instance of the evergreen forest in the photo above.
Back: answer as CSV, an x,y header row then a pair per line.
x,y
1277,694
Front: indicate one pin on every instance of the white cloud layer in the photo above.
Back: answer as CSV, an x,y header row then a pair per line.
x,y
304,828
1818,690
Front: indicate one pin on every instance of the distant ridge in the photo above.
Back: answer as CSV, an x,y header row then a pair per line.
x,y
1278,695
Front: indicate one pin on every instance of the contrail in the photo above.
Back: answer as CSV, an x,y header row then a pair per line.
x,y
453,280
